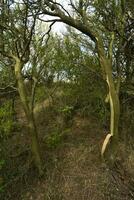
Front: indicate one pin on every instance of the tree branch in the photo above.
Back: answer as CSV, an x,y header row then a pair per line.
x,y
84,28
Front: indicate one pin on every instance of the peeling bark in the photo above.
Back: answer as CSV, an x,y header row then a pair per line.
x,y
114,104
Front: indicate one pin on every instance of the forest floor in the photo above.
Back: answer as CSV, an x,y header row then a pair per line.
x,y
73,168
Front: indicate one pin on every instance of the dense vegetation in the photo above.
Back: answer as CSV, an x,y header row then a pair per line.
x,y
66,100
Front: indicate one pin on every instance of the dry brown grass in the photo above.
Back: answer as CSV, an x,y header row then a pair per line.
x,y
74,169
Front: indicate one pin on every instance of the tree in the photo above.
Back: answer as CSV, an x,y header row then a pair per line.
x,y
18,27
81,17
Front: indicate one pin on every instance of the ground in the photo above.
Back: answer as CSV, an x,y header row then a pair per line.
x,y
73,168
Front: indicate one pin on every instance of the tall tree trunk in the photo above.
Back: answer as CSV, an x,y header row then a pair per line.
x,y
29,115
112,137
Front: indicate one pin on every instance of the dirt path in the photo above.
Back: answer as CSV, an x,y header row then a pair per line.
x,y
74,171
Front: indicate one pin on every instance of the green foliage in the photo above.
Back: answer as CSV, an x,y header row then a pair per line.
x,y
67,109
40,94
6,119
1,185
67,113
2,164
54,139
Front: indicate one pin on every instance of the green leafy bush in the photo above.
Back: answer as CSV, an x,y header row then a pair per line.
x,y
67,110
2,163
67,113
40,94
54,139
6,119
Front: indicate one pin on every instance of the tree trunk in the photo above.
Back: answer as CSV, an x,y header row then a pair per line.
x,y
115,113
35,143
29,115
112,137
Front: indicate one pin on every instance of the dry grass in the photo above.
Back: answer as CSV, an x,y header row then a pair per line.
x,y
74,169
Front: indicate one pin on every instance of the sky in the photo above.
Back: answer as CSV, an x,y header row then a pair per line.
x,y
60,27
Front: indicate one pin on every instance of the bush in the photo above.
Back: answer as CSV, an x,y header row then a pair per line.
x,y
67,113
6,119
54,139
2,163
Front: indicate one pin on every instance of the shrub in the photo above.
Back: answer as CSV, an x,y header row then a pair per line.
x,y
2,163
6,119
54,139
